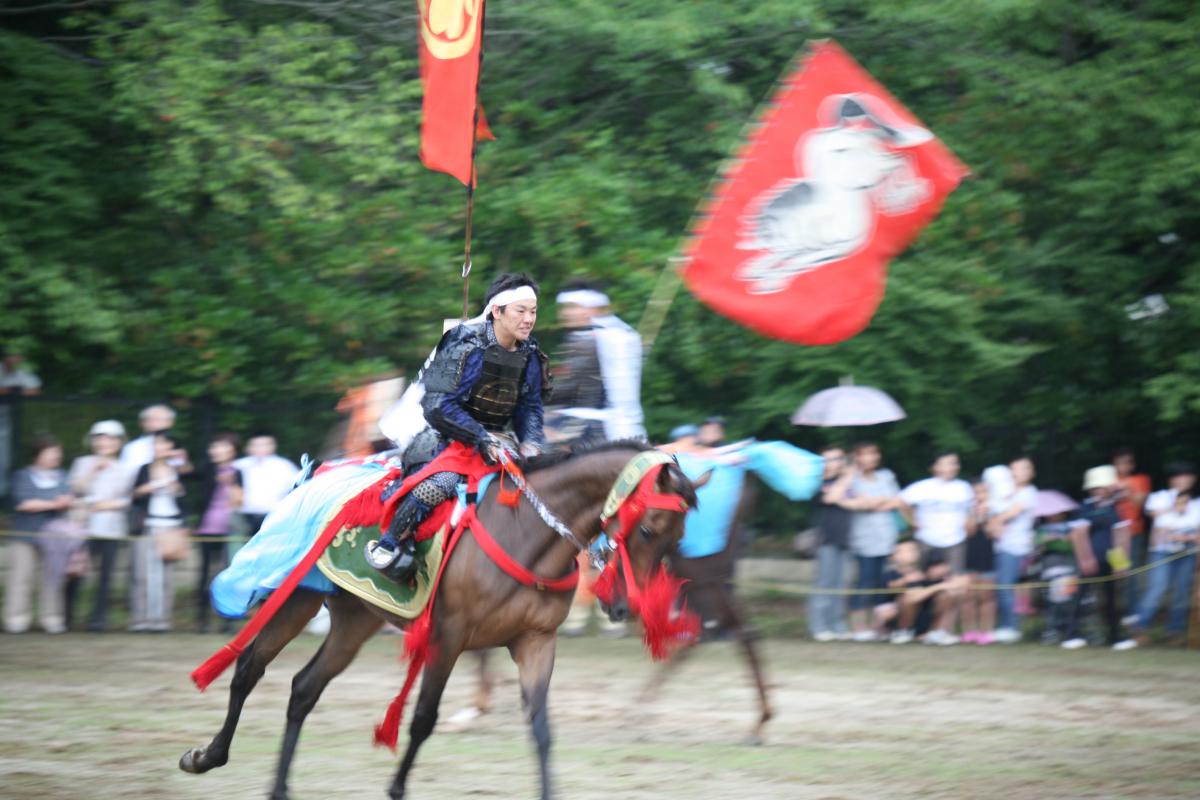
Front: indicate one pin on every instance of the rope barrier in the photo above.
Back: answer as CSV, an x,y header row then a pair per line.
x,y
765,586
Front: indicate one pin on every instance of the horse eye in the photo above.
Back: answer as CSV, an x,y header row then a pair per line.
x,y
646,532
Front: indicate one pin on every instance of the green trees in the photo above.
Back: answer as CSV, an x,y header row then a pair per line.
x,y
224,199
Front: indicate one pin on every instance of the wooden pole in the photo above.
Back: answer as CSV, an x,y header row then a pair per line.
x,y
466,267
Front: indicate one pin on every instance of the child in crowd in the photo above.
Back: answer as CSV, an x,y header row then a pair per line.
x,y
979,603
1059,571
927,595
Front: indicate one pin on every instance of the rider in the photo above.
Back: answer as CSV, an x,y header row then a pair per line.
x,y
487,373
597,385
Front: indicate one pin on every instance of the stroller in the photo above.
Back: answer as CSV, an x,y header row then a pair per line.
x,y
1056,567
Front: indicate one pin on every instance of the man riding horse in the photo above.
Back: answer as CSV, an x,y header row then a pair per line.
x,y
487,374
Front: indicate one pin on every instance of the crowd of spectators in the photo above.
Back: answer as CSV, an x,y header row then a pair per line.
x,y
131,501
943,560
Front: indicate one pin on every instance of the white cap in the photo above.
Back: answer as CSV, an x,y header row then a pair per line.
x,y
108,427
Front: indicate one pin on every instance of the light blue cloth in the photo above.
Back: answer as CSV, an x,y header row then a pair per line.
x,y
789,470
286,536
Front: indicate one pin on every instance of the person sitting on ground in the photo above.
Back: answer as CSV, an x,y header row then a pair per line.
x,y
485,376
928,595
902,565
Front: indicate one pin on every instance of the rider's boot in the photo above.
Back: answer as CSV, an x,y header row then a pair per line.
x,y
395,554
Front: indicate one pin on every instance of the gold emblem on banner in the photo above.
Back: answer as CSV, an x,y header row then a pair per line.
x,y
449,28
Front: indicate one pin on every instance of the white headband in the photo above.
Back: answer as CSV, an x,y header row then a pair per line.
x,y
524,292
588,298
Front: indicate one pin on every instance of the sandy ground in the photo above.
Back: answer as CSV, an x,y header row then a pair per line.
x,y
86,716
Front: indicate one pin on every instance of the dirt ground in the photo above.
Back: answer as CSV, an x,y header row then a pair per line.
x,y
99,717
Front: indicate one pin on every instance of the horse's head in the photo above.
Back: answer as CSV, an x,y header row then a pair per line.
x,y
648,542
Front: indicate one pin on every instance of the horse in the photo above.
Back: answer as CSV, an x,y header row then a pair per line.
x,y
479,606
708,590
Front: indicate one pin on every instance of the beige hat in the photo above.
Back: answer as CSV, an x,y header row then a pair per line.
x,y
107,427
1099,477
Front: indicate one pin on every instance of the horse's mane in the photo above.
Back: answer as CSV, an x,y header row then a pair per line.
x,y
556,457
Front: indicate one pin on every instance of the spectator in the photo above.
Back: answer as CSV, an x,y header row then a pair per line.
x,y
683,439
1135,488
139,452
1181,477
1175,533
939,506
104,487
712,432
1060,573
1100,538
873,497
18,380
156,493
40,495
979,602
266,479
220,497
928,597
827,612
902,569
1012,529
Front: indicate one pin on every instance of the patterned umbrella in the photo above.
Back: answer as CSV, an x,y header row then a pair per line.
x,y
848,406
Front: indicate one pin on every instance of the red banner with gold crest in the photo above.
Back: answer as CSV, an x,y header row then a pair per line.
x,y
450,39
836,180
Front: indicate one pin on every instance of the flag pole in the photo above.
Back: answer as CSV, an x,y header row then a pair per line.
x,y
466,267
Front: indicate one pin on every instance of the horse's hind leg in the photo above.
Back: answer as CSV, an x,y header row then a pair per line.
x,y
433,683
351,624
731,617
283,627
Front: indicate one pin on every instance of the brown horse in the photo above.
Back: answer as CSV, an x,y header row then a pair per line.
x,y
709,592
478,606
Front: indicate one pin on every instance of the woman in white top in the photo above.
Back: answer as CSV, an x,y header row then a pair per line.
x,y
103,487
1012,530
156,496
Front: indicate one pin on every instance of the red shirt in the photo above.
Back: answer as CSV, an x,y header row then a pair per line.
x,y
1130,511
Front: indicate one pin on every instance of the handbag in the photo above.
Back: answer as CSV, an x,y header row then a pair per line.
x,y
172,544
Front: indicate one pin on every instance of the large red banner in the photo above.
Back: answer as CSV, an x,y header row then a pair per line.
x,y
836,179
451,35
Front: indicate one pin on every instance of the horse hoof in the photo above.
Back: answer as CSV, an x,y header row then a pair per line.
x,y
197,762
279,795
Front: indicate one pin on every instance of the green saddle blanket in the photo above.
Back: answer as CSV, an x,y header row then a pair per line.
x,y
344,562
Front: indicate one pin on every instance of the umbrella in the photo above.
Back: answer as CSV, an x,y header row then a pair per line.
x,y
1050,502
846,406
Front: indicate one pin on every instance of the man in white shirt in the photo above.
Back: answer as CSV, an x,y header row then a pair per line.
x,y
1012,528
1181,477
266,479
139,452
938,508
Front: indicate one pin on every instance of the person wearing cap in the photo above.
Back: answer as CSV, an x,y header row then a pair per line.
x,y
597,393
1101,542
485,377
104,489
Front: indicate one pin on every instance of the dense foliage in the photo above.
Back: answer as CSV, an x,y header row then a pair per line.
x,y
223,199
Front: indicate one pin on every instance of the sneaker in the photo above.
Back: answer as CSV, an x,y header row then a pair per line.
x,y
901,637
842,636
985,638
1125,644
1074,644
824,636
1006,635
941,638
865,636
971,637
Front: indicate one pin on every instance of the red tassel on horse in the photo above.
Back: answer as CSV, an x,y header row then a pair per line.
x,y
663,628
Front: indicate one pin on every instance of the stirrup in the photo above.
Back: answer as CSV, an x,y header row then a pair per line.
x,y
397,562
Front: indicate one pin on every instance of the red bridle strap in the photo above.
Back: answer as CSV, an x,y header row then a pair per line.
x,y
515,570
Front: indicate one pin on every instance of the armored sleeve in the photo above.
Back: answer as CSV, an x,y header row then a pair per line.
x,y
445,410
528,417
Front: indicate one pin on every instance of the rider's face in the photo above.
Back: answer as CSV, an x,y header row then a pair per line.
x,y
516,320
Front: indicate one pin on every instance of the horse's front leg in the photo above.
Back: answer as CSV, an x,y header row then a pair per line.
x,y
433,683
534,654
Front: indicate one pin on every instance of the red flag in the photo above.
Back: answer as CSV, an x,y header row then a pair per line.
x,y
836,179
451,36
